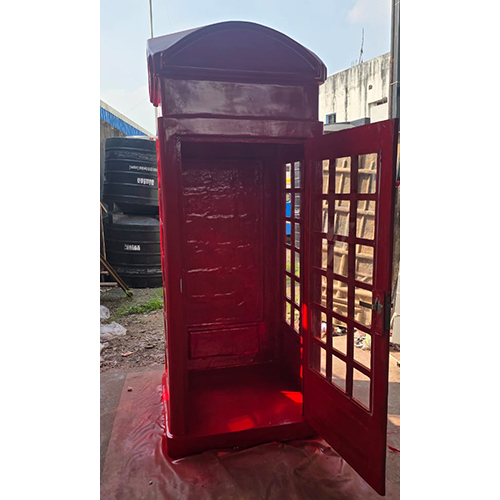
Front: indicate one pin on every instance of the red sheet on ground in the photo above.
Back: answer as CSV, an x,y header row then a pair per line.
x,y
136,468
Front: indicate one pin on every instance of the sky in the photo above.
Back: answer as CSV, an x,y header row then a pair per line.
x,y
332,29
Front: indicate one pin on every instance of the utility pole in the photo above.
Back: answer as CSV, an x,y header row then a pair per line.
x,y
151,17
362,42
394,94
394,85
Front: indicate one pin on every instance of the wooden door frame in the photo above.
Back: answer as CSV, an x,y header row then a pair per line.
x,y
171,134
330,412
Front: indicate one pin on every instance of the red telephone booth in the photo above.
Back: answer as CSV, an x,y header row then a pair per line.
x,y
262,304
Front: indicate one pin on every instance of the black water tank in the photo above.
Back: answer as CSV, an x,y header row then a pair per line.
x,y
133,249
131,175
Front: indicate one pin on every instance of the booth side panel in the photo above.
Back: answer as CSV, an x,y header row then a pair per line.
x,y
176,354
270,341
159,156
290,219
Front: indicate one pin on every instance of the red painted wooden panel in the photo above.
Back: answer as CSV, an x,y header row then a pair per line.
x,y
222,247
176,352
356,433
224,342
241,398
292,356
241,129
184,98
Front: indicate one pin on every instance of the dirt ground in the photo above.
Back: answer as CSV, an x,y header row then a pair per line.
x,y
144,338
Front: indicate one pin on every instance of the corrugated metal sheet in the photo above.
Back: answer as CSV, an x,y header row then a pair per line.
x,y
118,123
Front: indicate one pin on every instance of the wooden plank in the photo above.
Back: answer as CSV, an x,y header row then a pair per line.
x,y
115,275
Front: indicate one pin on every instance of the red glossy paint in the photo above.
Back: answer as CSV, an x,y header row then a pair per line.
x,y
239,102
223,242
358,434
245,397
239,406
224,342
231,51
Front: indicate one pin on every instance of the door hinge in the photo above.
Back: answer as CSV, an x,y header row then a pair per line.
x,y
180,285
387,313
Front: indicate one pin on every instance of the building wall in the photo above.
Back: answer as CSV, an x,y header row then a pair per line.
x,y
358,92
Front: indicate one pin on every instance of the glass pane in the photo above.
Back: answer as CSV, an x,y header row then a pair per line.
x,y
288,232
339,335
343,175
323,327
324,217
340,262
326,175
318,359
341,221
288,259
297,293
296,320
361,388
288,313
329,257
297,264
362,314
318,326
367,173
340,297
364,264
324,253
323,291
365,219
288,204
288,287
338,372
362,351
297,206
297,235
288,176
297,173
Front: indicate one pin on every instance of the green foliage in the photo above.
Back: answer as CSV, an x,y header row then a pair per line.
x,y
155,303
297,268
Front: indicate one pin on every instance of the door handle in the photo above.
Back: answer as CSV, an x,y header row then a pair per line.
x,y
376,306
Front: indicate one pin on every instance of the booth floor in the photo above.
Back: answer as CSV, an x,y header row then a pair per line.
x,y
134,467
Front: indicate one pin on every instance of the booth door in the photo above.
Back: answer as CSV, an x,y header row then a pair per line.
x,y
346,311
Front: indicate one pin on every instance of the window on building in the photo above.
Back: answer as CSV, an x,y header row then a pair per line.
x,y
331,118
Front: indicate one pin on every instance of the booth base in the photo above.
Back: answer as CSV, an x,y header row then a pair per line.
x,y
239,407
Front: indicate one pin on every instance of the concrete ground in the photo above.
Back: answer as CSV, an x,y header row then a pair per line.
x,y
112,385
393,422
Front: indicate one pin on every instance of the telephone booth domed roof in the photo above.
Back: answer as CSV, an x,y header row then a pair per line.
x,y
232,51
